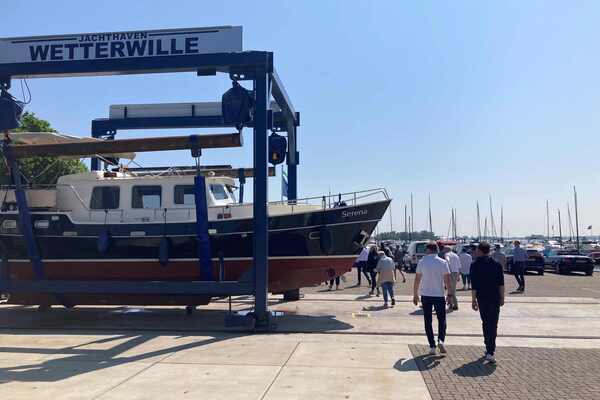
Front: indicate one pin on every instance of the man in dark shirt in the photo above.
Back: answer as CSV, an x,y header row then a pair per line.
x,y
487,284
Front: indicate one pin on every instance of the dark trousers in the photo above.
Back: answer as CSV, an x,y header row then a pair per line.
x,y
337,282
490,313
519,271
373,276
439,304
361,267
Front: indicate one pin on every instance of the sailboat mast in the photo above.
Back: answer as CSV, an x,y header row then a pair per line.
x,y
412,215
406,220
576,218
478,223
547,221
493,232
559,228
485,231
454,234
430,224
501,223
570,222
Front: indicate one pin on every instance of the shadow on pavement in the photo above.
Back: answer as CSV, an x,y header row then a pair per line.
x,y
474,369
78,360
420,363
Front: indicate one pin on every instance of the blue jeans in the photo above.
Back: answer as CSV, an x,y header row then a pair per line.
x,y
387,288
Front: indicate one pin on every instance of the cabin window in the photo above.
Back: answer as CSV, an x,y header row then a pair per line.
x,y
185,194
218,192
105,198
146,197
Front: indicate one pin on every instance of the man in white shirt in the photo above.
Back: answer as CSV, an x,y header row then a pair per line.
x,y
361,265
432,275
454,265
465,268
386,268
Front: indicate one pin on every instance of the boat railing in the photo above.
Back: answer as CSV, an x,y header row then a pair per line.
x,y
337,200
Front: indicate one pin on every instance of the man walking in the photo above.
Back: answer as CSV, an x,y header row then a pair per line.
x,y
465,268
487,280
386,277
454,265
499,256
361,265
432,274
518,266
399,262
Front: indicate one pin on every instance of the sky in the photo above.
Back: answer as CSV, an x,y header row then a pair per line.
x,y
457,99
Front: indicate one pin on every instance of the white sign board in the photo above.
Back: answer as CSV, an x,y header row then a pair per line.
x,y
119,45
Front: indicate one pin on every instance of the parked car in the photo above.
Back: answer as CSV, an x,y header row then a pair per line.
x,y
416,251
535,261
562,263
595,256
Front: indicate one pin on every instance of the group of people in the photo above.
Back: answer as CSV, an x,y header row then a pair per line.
x,y
436,279
435,286
380,266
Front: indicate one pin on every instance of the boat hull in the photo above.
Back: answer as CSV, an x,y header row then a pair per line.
x,y
304,250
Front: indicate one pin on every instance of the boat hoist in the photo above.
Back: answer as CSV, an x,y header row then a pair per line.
x,y
204,51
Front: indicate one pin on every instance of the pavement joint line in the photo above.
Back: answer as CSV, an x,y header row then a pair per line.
x,y
280,370
124,381
235,333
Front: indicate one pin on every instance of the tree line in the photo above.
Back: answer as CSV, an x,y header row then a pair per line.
x,y
403,236
40,170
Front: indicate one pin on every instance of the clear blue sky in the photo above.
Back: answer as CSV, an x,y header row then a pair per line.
x,y
458,98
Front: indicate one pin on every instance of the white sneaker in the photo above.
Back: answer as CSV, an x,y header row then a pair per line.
x,y
490,359
442,348
432,351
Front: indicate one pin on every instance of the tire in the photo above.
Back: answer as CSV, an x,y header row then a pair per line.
x,y
589,273
541,272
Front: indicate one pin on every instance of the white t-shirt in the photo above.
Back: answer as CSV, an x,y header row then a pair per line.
x,y
364,255
465,263
432,270
453,261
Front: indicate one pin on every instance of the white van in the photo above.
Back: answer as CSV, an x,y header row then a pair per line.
x,y
416,251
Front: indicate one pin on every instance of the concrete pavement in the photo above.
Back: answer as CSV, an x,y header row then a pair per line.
x,y
324,346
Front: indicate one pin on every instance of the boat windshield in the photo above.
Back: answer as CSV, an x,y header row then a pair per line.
x,y
219,192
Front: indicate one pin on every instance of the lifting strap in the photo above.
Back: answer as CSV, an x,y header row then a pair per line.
x,y
202,237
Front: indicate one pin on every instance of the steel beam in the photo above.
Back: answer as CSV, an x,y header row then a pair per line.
x,y
126,145
126,287
229,172
261,218
282,98
103,126
222,62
